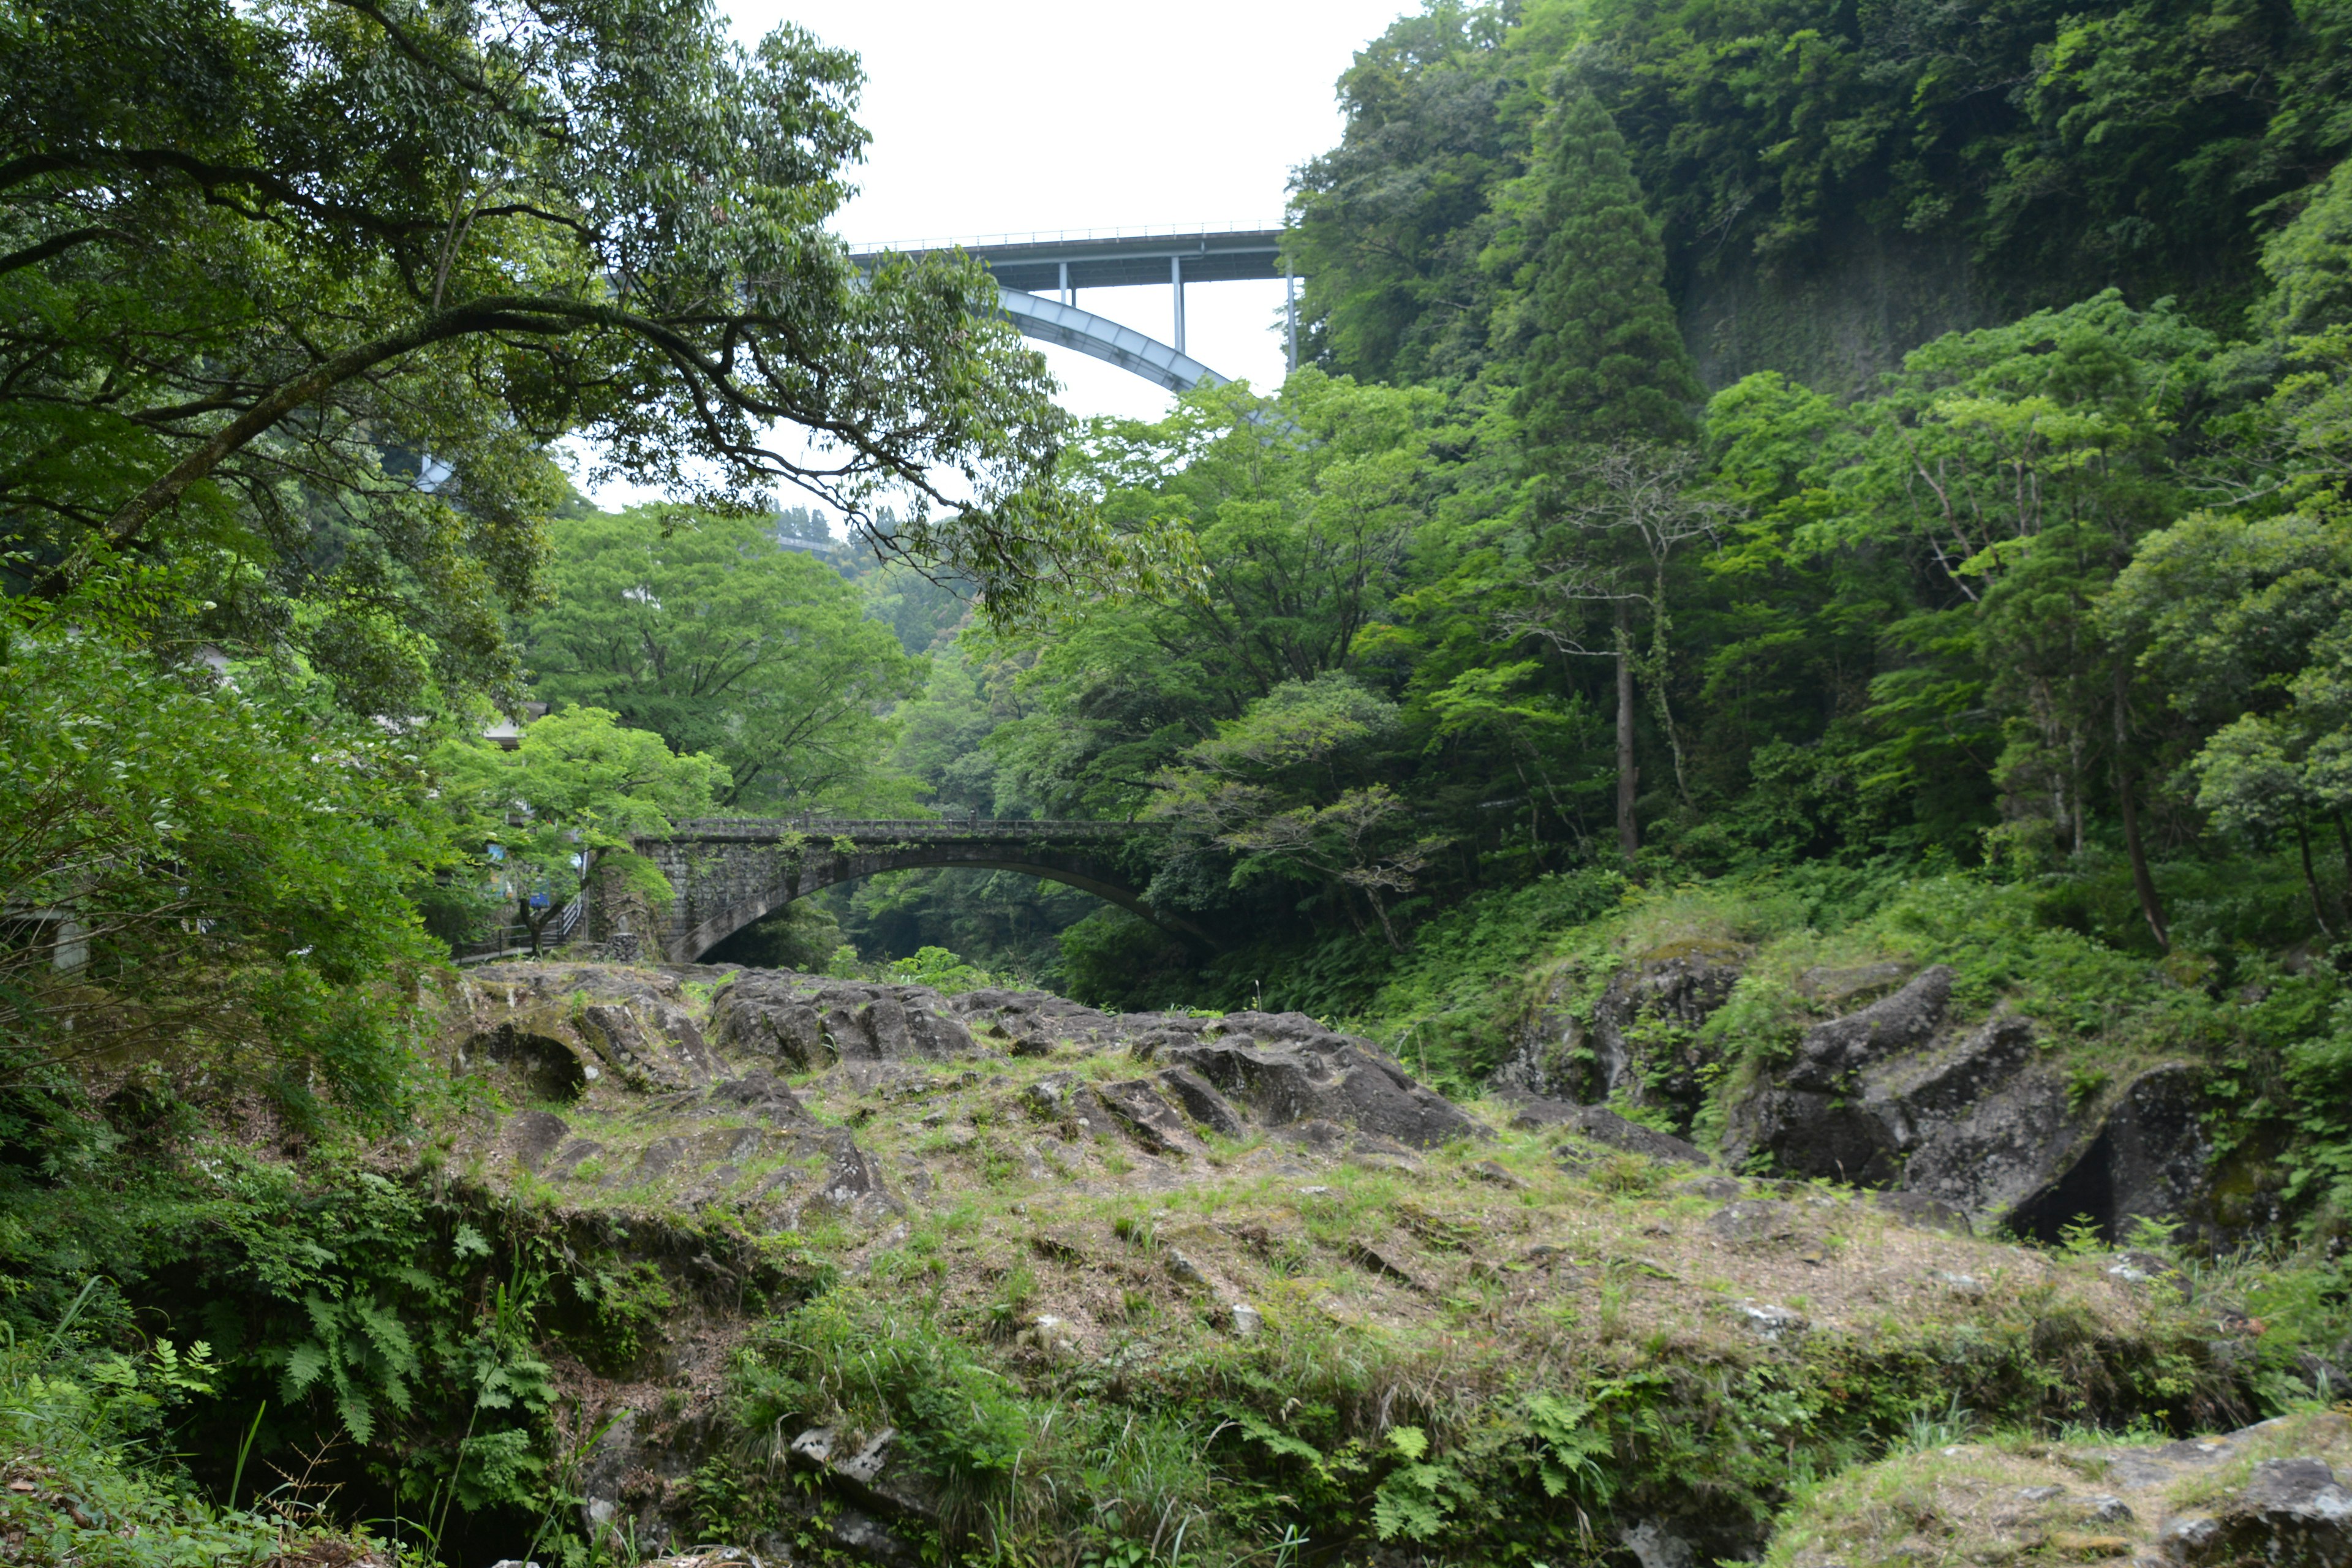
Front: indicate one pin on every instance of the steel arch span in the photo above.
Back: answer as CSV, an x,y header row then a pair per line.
x,y
1051,321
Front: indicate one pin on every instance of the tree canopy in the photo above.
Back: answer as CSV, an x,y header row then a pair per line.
x,y
303,291
703,629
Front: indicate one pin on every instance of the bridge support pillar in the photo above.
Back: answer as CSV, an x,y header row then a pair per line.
x,y
1069,295
1176,277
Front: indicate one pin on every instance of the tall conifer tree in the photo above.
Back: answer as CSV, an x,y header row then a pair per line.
x,y
1607,364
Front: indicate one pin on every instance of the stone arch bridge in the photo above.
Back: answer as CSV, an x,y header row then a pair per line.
x,y
729,872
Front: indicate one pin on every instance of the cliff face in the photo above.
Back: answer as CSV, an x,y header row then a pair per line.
x,y
1838,321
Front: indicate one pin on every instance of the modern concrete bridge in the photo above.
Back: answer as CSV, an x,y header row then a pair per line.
x,y
1027,266
730,872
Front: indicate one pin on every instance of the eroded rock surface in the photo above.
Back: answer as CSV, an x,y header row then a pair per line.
x,y
1891,1096
562,1027
807,1022
1642,1042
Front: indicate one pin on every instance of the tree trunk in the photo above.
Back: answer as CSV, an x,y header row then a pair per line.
x,y
1629,832
2344,838
2311,880
2143,883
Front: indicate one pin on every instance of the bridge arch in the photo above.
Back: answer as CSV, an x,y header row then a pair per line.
x,y
726,875
1051,321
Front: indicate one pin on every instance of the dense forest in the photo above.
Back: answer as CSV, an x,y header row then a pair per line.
x,y
1774,487
2033,578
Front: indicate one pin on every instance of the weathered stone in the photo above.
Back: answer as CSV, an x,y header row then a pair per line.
x,y
1640,1040
1655,1546
1830,1115
1184,1271
810,1021
2004,1149
1488,1170
531,1136
1037,1021
2291,1514
1202,1103
1838,987
1605,1126
674,1058
1905,1021
1769,1322
872,1473
1286,1068
2150,1158
762,1094
1378,1260
540,1050
1760,1220
1150,1120
766,1013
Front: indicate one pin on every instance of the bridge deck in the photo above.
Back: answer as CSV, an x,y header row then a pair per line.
x,y
1034,263
1000,830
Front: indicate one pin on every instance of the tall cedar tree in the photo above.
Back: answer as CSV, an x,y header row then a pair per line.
x,y
1607,364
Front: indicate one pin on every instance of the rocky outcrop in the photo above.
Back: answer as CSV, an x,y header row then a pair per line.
x,y
1270,1069
1639,1042
2267,1496
1888,1096
808,1023
1281,1068
2292,1514
562,1027
1606,1127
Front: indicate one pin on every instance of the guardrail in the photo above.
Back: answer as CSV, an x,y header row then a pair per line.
x,y
760,827
513,939
1062,236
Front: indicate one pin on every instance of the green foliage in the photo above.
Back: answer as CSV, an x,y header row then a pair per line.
x,y
701,627
358,280
1604,359
81,1430
201,869
1786,148
560,810
942,971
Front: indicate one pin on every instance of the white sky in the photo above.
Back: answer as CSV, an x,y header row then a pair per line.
x,y
1104,113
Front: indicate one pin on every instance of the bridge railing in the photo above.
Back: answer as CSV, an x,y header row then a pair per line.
x,y
762,829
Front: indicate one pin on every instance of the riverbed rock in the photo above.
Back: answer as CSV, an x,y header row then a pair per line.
x,y
1285,1069
2292,1514
1605,1126
1889,1097
570,1024
1832,1051
811,1022
1640,1042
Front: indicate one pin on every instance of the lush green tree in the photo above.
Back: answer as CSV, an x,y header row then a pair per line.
x,y
2246,622
703,629
1388,226
1304,505
1615,548
211,871
1603,359
2046,148
1280,787
558,811
302,292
